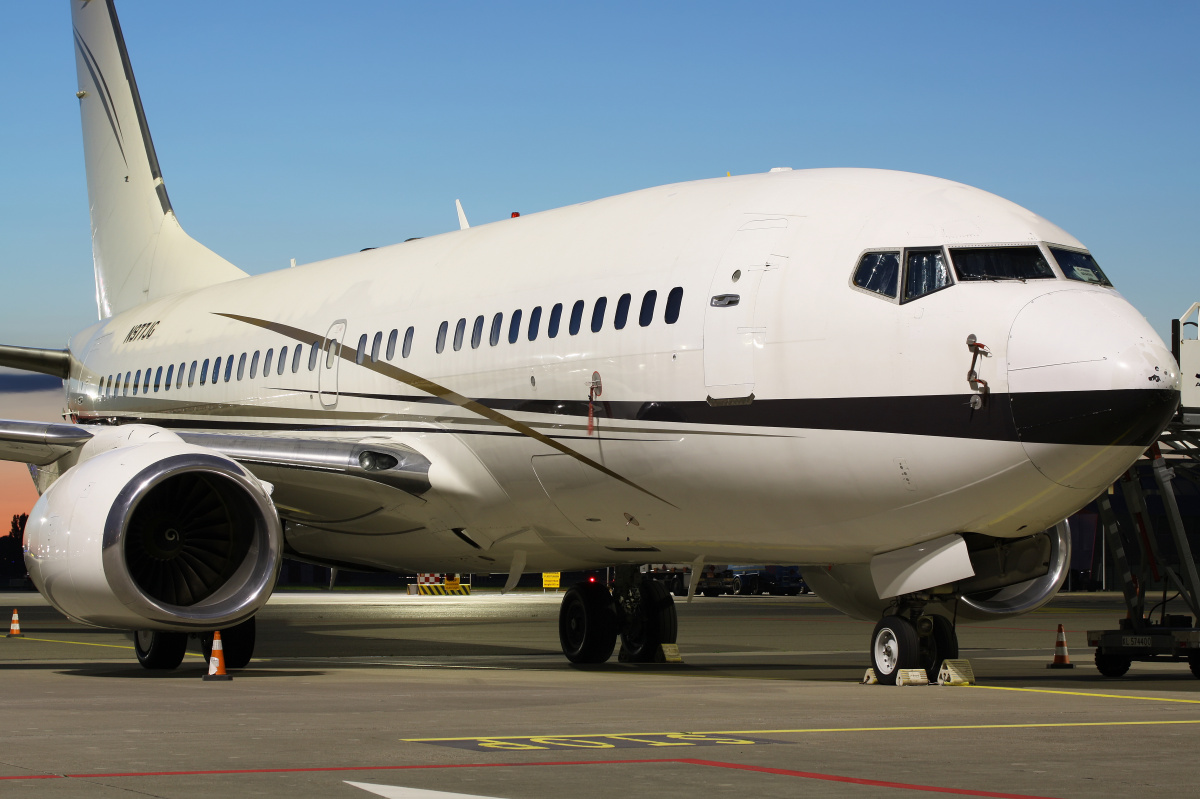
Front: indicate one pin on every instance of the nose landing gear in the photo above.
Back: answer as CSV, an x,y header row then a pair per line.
x,y
909,640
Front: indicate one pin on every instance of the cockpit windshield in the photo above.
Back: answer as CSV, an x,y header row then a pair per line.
x,y
1079,266
1000,263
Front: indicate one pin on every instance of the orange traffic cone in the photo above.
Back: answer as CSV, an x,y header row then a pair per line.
x,y
1061,659
14,629
216,663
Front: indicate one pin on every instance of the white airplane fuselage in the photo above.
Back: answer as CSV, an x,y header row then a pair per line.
x,y
811,422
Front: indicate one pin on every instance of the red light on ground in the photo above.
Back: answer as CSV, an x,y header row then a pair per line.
x,y
591,579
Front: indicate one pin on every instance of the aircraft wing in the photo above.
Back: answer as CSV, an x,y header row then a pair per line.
x,y
391,464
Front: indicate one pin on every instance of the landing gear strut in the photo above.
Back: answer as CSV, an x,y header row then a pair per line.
x,y
910,640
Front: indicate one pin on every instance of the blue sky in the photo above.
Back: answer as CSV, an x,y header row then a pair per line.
x,y
306,130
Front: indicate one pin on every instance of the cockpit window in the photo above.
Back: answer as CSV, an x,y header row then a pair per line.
x,y
1079,266
1000,263
926,272
878,272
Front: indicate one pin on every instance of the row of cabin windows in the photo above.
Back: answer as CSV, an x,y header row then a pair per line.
x,y
554,324
155,379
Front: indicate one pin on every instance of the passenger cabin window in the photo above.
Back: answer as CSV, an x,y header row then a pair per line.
x,y
646,315
459,330
391,345
229,366
170,377
598,314
576,318
555,319
313,354
878,272
360,354
332,348
254,365
497,328
146,385
1079,266
283,351
1000,263
376,343
535,321
192,375
514,327
137,381
204,370
296,356
216,371
241,367
267,359
408,337
674,303
179,378
925,272
622,312
157,378
441,337
477,333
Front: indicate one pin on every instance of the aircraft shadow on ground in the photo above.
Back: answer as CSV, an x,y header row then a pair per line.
x,y
107,671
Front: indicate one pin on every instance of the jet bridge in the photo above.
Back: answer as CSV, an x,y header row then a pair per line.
x,y
1155,634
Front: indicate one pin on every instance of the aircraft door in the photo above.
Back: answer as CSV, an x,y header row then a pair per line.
x,y
730,331
327,366
86,384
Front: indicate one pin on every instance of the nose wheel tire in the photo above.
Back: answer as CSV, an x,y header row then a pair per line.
x,y
159,650
587,624
236,642
894,646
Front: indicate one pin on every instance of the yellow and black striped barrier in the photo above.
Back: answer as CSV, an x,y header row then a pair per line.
x,y
444,590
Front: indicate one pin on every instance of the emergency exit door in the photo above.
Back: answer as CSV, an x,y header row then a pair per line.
x,y
327,366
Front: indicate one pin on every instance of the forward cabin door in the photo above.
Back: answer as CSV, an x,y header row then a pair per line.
x,y
327,366
731,331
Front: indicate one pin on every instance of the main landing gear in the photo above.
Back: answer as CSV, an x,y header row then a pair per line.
x,y
910,640
160,651
639,609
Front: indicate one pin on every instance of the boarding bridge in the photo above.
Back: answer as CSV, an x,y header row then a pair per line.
x,y
1150,632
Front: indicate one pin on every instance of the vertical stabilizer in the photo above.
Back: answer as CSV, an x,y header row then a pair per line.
x,y
139,250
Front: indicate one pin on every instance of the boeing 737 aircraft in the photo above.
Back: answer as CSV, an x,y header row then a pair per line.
x,y
902,383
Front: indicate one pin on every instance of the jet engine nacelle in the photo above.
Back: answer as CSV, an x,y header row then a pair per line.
x,y
1012,577
147,532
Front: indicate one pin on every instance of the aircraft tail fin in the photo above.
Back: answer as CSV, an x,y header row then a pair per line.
x,y
139,250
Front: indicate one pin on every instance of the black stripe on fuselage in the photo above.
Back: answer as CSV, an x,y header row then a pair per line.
x,y
1127,417
1132,417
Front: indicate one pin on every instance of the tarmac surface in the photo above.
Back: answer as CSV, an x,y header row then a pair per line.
x,y
352,692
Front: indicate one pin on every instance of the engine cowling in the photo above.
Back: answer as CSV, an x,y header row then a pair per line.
x,y
147,532
1012,577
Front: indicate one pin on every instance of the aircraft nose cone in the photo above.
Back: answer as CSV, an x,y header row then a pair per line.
x,y
1090,384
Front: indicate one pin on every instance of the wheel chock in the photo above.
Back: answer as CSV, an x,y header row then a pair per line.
x,y
956,672
912,677
669,653
869,678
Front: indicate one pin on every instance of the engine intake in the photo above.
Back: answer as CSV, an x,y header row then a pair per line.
x,y
160,535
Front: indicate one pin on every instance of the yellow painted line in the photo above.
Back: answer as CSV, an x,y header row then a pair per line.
x,y
91,643
830,729
1087,693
